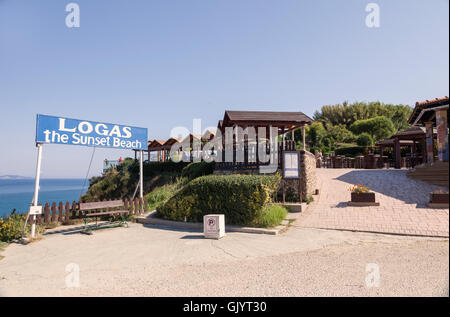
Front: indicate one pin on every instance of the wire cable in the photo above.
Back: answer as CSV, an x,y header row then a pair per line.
x,y
87,174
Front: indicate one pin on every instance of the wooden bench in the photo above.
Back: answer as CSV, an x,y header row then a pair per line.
x,y
102,208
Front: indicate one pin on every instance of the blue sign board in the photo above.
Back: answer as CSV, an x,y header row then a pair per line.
x,y
59,130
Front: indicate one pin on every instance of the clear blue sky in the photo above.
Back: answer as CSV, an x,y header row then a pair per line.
x,y
160,64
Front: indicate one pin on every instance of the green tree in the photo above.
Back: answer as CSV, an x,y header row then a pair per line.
x,y
314,134
347,114
379,127
339,133
364,139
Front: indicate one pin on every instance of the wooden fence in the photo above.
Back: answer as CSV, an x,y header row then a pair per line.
x,y
60,212
369,161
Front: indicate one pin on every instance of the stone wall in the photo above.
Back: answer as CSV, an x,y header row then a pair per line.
x,y
308,177
308,172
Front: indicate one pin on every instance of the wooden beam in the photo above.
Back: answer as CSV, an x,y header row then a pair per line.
x,y
397,153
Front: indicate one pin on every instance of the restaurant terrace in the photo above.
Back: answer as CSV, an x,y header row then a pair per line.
x,y
283,122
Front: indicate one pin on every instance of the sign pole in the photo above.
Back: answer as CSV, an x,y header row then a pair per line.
x,y
36,186
141,176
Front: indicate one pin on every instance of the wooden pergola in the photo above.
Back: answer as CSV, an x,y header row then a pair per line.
x,y
284,122
433,116
162,147
413,138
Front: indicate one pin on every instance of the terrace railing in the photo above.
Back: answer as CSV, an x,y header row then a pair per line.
x,y
251,159
369,161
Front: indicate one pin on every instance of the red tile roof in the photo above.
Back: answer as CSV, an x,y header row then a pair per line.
x,y
421,105
442,100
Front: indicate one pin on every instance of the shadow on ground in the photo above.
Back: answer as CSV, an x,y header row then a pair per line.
x,y
392,183
168,228
193,237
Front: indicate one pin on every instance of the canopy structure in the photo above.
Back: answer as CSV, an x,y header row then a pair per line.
x,y
208,135
412,138
433,114
283,121
163,147
426,110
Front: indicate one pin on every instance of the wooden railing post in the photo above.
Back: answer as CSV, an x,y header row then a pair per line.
x,y
74,208
145,205
39,217
61,210
141,205
125,202
136,205
67,215
46,212
53,212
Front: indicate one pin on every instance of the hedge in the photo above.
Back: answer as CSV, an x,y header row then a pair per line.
x,y
241,198
351,151
157,167
197,169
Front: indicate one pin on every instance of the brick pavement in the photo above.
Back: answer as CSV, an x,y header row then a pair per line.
x,y
402,207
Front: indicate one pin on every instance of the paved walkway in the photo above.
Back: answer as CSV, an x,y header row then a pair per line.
x,y
402,209
157,261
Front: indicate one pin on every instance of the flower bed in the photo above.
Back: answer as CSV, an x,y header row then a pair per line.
x,y
362,196
439,197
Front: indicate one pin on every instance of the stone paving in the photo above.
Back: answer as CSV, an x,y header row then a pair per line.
x,y
402,209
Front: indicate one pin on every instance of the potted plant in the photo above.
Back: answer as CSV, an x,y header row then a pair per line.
x,y
362,196
439,197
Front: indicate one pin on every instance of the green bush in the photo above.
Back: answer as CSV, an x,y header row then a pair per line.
x,y
11,227
197,169
351,151
161,194
240,197
364,139
271,216
156,167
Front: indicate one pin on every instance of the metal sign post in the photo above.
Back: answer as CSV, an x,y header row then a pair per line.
x,y
141,175
36,189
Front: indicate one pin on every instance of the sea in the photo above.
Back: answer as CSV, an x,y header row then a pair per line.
x,y
18,193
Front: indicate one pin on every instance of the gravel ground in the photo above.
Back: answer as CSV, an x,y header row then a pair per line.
x,y
154,261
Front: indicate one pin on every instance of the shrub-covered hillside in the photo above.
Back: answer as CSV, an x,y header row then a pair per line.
x,y
121,181
241,198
